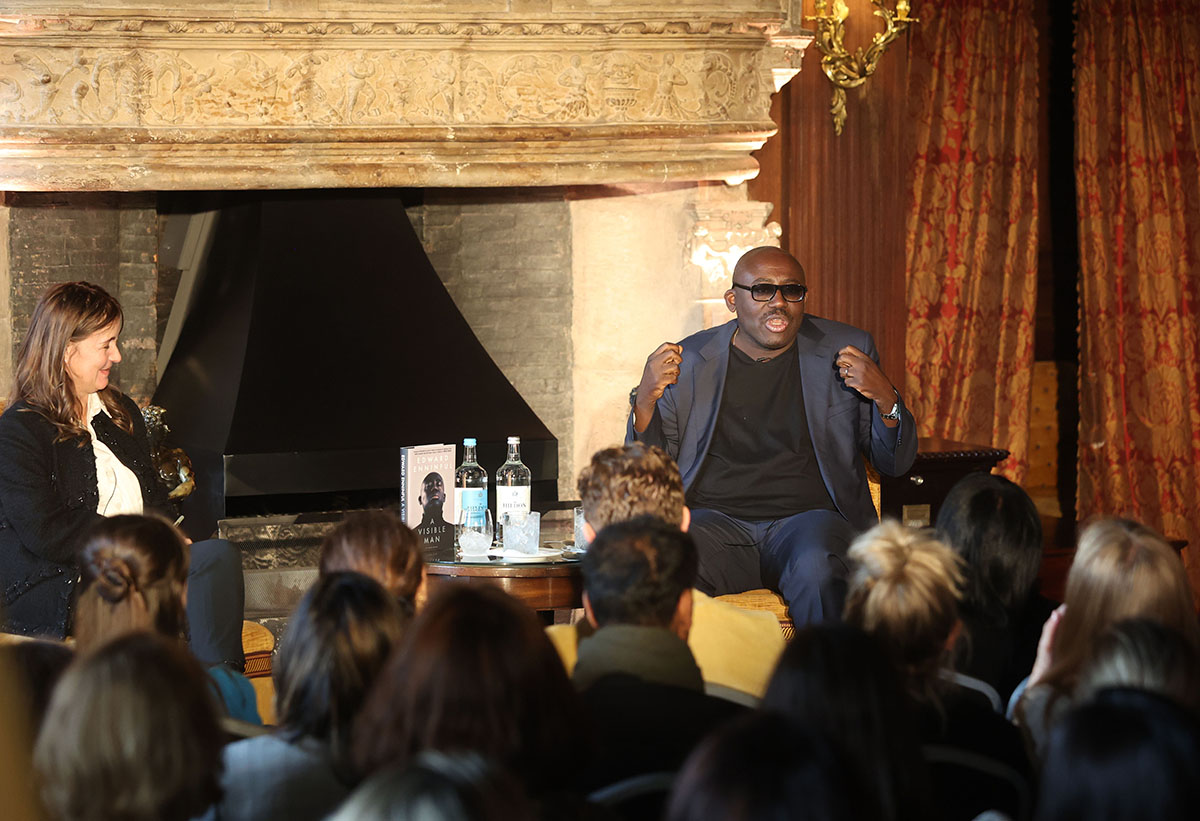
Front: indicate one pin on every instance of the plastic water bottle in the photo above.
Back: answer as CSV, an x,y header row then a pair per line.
x,y
470,486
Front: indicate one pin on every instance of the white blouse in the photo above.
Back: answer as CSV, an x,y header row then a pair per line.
x,y
120,491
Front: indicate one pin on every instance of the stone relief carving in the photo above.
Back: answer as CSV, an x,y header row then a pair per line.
x,y
248,26
127,98
285,87
725,227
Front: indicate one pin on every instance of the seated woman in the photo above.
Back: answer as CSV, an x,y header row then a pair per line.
x,y
74,449
995,527
377,544
149,693
135,577
904,590
334,646
1121,570
838,681
476,673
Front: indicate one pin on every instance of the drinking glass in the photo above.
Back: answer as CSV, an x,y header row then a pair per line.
x,y
474,530
581,541
522,532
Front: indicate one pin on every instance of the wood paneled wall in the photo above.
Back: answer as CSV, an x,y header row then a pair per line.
x,y
843,200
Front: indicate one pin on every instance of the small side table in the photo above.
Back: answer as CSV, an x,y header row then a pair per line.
x,y
916,497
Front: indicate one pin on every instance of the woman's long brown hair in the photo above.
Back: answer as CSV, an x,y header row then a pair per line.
x,y
68,312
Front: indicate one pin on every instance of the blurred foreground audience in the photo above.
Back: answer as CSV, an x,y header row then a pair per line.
x,y
134,577
839,682
36,665
377,544
995,527
763,768
904,589
640,683
335,645
131,734
17,782
1146,655
1126,755
439,787
464,712
476,673
1121,570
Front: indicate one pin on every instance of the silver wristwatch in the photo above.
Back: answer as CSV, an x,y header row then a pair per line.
x,y
894,413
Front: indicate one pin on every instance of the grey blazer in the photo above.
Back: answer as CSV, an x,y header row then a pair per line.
x,y
844,425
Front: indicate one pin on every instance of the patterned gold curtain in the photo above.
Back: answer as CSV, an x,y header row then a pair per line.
x,y
1137,111
971,239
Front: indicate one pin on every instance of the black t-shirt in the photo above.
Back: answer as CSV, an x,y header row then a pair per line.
x,y
761,464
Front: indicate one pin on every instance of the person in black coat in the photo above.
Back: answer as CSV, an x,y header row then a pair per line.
x,y
74,449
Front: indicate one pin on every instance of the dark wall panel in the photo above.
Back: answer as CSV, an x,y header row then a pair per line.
x,y
843,200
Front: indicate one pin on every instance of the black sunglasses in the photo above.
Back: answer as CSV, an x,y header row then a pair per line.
x,y
765,291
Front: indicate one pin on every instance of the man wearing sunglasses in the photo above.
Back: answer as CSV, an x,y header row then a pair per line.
x,y
769,417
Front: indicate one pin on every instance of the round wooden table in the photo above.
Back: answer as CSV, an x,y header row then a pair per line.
x,y
552,585
556,585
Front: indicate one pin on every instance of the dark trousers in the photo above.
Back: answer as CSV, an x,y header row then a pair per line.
x,y
803,557
216,597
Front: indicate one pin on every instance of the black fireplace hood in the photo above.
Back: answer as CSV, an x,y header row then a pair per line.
x,y
318,342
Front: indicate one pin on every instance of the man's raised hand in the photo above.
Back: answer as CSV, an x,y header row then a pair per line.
x,y
860,372
662,369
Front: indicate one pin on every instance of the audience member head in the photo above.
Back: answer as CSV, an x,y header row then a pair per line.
x,y
66,315
336,643
763,767
38,665
994,525
377,544
1121,570
904,589
1125,756
134,578
640,572
1143,654
438,787
623,483
838,681
474,673
132,734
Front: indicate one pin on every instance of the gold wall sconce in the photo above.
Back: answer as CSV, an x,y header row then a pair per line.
x,y
846,70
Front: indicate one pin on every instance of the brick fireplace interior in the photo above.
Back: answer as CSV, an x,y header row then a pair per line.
x,y
567,289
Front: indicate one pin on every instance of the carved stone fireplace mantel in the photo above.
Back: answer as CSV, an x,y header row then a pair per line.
x,y
381,93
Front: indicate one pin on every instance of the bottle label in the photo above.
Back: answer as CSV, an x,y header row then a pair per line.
x,y
512,500
471,501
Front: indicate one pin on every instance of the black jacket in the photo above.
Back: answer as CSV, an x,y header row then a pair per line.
x,y
645,700
48,499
